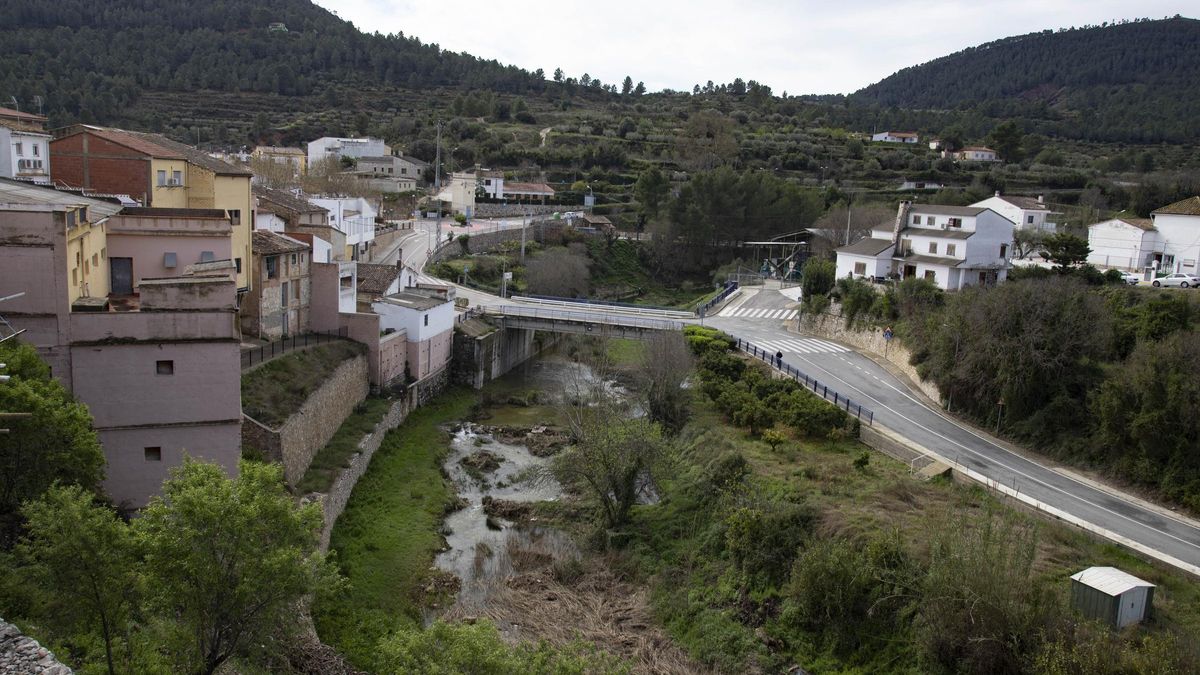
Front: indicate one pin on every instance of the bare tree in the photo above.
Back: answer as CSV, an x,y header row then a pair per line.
x,y
557,272
831,227
273,174
666,363
327,177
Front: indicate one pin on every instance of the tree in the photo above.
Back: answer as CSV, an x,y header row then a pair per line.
x,y
640,89
82,557
55,443
666,364
708,141
557,272
558,74
817,278
651,190
831,227
1026,241
611,463
261,127
627,86
1065,250
227,559
1006,140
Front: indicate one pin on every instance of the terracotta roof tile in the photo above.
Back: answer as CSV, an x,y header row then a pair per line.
x,y
265,242
1183,207
375,279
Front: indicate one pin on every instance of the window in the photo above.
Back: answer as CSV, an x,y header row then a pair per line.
x,y
95,259
283,295
929,220
164,367
403,169
207,256
162,177
916,220
17,147
933,247
346,283
176,178
170,260
294,258
272,266
951,248
235,215
36,150
1003,250
426,319
237,264
153,453
931,275
860,268
296,292
1029,219
956,222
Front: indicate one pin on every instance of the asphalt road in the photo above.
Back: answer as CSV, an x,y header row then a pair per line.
x,y
762,317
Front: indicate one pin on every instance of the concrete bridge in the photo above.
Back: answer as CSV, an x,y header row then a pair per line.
x,y
583,319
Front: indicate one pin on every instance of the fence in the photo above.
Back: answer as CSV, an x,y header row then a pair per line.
x,y
591,301
822,390
730,287
258,355
580,317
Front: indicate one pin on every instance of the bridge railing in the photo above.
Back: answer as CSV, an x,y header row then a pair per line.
x,y
598,303
730,287
811,383
596,316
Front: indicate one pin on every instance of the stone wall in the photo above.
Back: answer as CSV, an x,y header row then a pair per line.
x,y
23,655
308,430
479,360
870,340
487,241
517,210
334,501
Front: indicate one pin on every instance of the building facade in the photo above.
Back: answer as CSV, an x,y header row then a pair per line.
x,y
1026,213
897,137
329,148
1130,244
428,322
160,372
24,147
1178,227
278,305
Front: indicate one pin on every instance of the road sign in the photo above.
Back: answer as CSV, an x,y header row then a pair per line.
x,y
508,276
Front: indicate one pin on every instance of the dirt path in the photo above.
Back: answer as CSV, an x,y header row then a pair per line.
x,y
545,133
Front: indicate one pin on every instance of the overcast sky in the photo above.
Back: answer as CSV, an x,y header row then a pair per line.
x,y
802,46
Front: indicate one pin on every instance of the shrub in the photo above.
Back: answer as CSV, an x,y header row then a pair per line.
x,y
764,538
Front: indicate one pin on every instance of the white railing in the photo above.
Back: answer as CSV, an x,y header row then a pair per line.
x,y
610,318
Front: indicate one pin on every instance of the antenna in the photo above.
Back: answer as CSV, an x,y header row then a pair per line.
x,y
38,101
16,106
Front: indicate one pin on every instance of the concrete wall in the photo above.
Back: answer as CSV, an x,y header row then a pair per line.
x,y
147,252
479,360
486,241
308,429
870,340
429,355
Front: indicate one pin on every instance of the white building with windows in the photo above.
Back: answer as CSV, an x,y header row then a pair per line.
x,y
896,137
1130,244
953,246
336,148
1027,213
24,147
354,217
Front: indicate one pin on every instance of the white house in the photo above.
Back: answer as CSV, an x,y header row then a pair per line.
x,y
428,321
354,217
492,183
24,149
1028,213
395,167
1178,228
336,148
459,192
538,193
1124,243
953,246
896,137
973,153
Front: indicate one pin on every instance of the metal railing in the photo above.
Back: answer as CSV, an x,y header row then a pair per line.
x,y
601,317
730,287
601,303
822,390
259,355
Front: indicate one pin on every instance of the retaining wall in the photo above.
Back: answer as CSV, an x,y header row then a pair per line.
x,y
334,501
487,241
308,429
870,340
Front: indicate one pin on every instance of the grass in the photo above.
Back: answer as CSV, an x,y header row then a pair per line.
x,y
336,454
273,392
386,539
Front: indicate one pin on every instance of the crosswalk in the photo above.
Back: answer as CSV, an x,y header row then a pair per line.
x,y
802,346
751,313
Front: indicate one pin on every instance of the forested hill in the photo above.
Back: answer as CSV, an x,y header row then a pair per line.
x,y
1126,81
87,58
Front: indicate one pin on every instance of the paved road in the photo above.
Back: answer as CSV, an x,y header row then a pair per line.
x,y
762,317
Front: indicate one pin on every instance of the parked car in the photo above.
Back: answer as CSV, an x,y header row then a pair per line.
x,y
1178,279
1131,278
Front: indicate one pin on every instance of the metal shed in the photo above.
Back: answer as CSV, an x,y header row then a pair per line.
x,y
1108,594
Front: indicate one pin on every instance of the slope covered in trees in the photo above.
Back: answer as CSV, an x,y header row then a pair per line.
x,y
1128,81
88,59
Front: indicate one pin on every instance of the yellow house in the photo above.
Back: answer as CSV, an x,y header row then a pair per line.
x,y
282,155
160,173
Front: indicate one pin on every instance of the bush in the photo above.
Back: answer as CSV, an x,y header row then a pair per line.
x,y
764,538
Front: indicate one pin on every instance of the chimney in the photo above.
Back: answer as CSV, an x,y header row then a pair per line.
x,y
901,218
997,194
1041,199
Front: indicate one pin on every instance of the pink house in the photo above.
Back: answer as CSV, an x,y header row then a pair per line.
x,y
149,242
427,320
159,369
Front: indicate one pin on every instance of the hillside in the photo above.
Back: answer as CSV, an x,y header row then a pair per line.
x,y
1129,81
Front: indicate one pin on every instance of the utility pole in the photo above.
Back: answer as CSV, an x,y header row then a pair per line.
x,y
523,217
848,198
437,185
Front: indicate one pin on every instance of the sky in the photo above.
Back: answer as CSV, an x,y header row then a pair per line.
x,y
801,47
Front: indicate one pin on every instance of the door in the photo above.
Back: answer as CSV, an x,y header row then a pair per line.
x,y
910,271
121,270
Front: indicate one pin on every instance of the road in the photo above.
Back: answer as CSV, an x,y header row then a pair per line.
x,y
763,317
